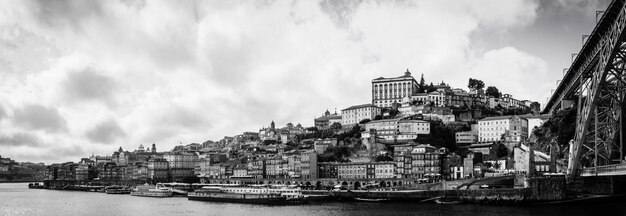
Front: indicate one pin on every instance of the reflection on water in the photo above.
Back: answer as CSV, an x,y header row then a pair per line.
x,y
17,199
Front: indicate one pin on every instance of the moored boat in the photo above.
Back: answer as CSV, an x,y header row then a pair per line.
x,y
447,201
117,190
35,185
258,194
151,191
371,199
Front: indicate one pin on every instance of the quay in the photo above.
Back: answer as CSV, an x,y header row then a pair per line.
x,y
502,190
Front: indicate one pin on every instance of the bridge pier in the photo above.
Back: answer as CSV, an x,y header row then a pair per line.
x,y
600,185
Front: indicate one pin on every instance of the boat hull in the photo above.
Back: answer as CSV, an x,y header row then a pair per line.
x,y
150,194
240,198
117,191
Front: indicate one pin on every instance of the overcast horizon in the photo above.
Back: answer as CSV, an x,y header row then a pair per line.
x,y
83,77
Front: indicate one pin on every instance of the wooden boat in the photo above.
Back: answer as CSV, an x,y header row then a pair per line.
x,y
447,201
117,190
371,199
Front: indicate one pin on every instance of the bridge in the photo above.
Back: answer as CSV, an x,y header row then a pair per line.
x,y
595,85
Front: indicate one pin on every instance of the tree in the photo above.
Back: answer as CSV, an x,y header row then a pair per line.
x,y
475,84
422,84
335,126
378,117
535,106
493,91
364,121
431,88
499,151
384,157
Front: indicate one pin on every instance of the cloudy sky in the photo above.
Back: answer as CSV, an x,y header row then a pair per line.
x,y
82,77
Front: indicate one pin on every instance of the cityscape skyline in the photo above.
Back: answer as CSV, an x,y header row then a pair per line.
x,y
87,77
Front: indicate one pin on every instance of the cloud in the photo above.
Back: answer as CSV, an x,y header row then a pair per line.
x,y
197,70
38,117
89,85
20,139
106,132
64,13
3,113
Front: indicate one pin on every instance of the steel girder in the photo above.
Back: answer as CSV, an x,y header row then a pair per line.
x,y
587,57
601,94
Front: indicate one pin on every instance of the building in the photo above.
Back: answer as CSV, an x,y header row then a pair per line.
x,y
395,129
386,91
542,162
351,170
465,138
325,121
535,121
491,129
320,145
436,98
426,161
418,161
354,114
327,170
181,164
158,170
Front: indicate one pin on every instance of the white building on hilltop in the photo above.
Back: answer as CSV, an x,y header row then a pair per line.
x,y
386,91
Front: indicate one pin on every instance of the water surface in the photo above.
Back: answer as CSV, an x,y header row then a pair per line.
x,y
16,199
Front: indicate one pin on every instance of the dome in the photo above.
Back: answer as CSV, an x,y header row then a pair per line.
x,y
327,113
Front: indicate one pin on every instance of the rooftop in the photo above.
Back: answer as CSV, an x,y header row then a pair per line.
x,y
359,106
498,117
407,74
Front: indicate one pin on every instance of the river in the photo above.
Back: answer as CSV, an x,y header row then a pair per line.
x,y
16,199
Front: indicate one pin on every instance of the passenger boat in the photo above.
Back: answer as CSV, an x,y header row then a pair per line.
x,y
116,190
151,191
178,188
256,194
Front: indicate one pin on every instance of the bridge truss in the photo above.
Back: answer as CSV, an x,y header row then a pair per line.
x,y
597,80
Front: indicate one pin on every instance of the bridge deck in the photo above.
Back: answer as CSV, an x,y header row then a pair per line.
x,y
609,170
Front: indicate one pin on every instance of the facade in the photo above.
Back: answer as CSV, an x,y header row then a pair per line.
x,y
418,161
320,145
395,129
354,114
491,129
327,170
542,163
325,121
181,164
351,170
465,138
158,170
386,91
535,121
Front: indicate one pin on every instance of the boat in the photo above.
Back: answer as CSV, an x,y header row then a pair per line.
x,y
237,195
447,201
371,199
117,190
151,191
256,194
177,188
35,185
